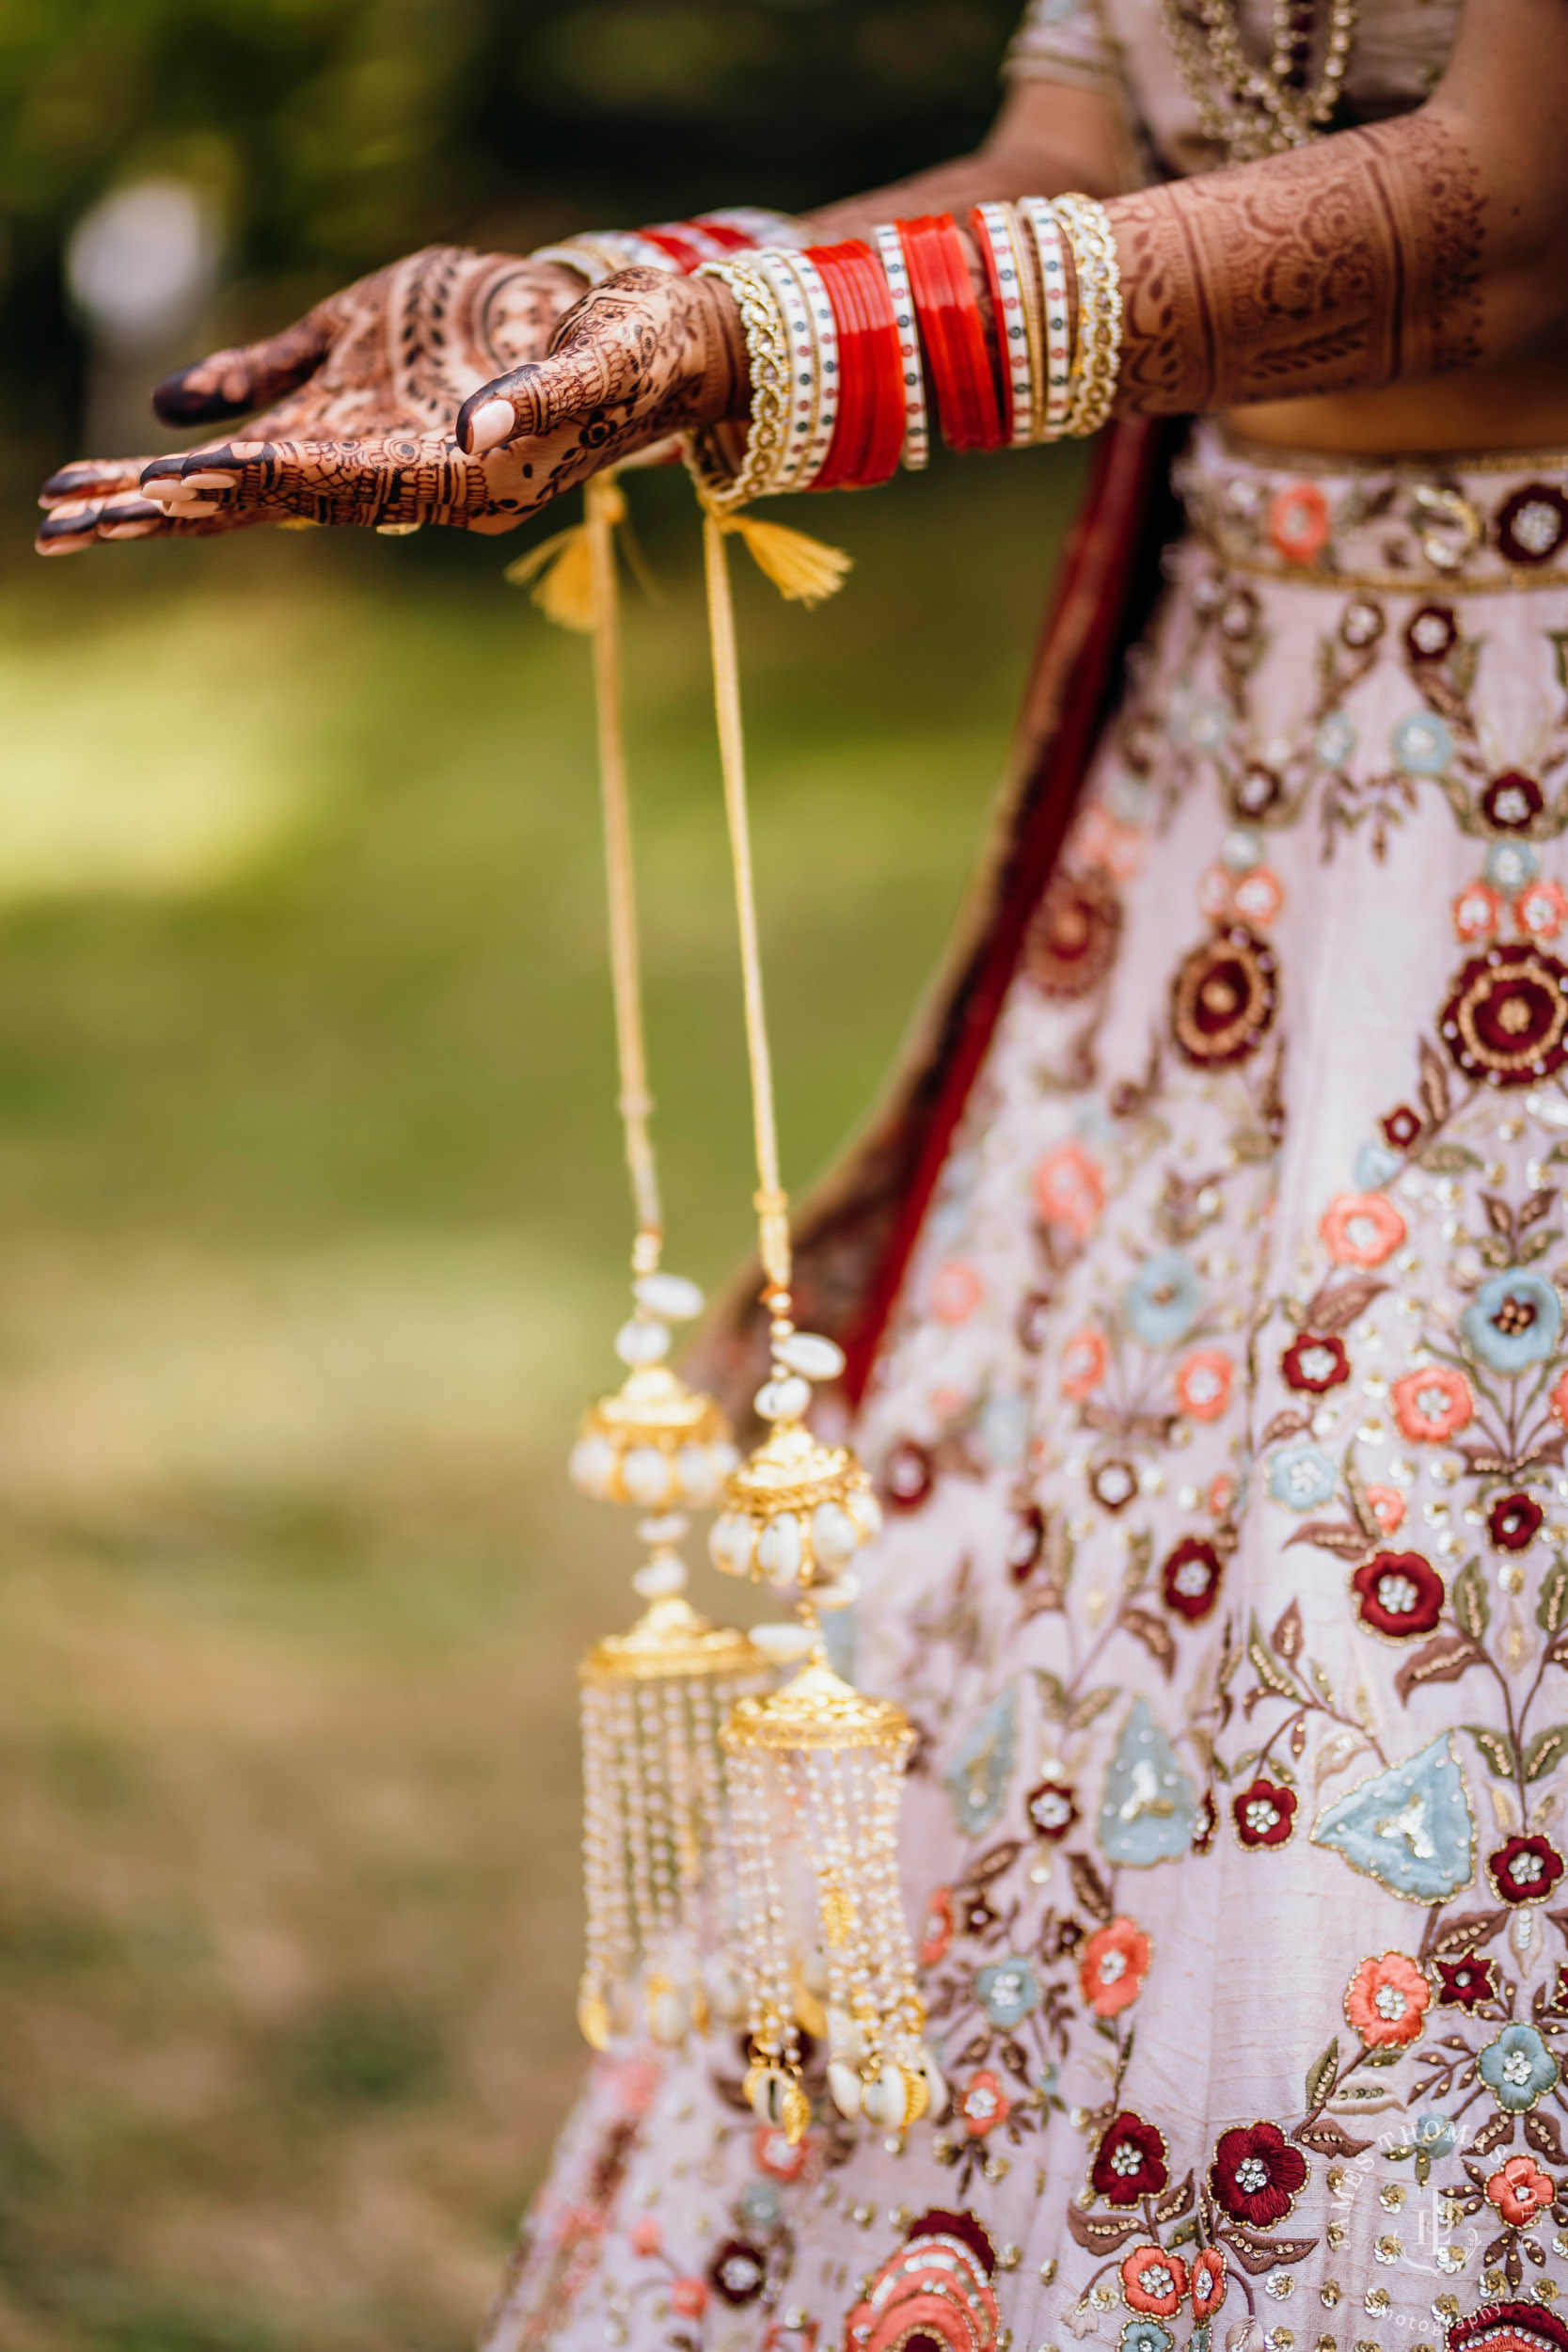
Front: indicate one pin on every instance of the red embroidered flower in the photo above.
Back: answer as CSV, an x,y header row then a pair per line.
x,y
738,2272
939,1928
1478,913
1069,1189
1511,801
1203,1384
1401,1127
1129,2162
1258,789
1224,997
907,1476
1466,1983
1315,1365
775,2157
1084,1361
1525,1869
1113,1968
1398,1594
1542,908
1515,1521
957,1290
1299,524
1264,1814
1113,1485
1153,2282
1071,940
1191,1579
1506,1019
688,2297
1431,633
935,2292
1051,1808
983,2105
1532,524
1361,1229
1386,2000
1386,1505
1210,2283
1508,2327
1521,2191
1257,2175
1433,1404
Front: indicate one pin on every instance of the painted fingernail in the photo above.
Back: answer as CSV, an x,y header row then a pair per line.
x,y
183,506
126,531
491,424
70,510
57,538
181,399
69,483
162,479
208,480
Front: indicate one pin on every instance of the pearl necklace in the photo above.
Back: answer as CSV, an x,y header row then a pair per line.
x,y
1252,110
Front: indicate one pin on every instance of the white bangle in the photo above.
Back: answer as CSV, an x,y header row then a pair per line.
x,y
604,253
825,346
1039,219
802,394
1012,329
917,430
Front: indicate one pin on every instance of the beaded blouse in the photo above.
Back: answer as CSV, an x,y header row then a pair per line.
x,y
1401,49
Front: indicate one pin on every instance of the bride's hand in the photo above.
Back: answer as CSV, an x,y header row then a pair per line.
x,y
643,356
393,356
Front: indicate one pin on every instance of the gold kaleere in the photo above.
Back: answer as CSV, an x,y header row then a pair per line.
x,y
815,1768
657,1868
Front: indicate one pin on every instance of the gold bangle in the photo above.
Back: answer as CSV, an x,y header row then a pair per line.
x,y
767,355
1097,359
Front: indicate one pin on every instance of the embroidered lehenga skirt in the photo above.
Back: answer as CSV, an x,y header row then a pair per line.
x,y
1221,1418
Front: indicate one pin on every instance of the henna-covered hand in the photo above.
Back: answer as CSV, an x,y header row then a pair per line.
x,y
393,356
642,356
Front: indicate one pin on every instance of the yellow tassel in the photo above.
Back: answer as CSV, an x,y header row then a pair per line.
x,y
561,568
804,570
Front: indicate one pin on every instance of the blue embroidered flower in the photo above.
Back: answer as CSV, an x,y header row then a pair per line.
x,y
1302,1477
1148,1809
1008,1991
1375,1164
1201,2337
976,1779
1146,2335
1518,2068
1434,2134
1162,1298
1509,864
1422,744
1335,739
1409,1827
761,2206
1513,1320
1004,1429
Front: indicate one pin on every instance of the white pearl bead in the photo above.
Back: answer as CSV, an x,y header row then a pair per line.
x,y
809,1354
843,2086
656,1580
867,1512
639,1342
845,2038
646,1476
834,1536
591,1466
667,1294
783,1400
842,1592
936,2085
700,1478
780,1547
669,2017
781,1643
729,1544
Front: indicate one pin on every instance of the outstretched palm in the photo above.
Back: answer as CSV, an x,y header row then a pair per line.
x,y
392,357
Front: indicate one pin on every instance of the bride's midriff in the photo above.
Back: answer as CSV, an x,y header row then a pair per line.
x,y
1522,406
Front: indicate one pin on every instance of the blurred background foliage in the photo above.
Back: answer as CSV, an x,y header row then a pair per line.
x,y
311,1215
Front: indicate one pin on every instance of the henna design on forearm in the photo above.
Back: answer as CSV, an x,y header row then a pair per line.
x,y
1337,268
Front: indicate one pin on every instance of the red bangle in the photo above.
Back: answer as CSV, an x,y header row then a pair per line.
x,y
998,311
686,258
869,434
952,333
733,240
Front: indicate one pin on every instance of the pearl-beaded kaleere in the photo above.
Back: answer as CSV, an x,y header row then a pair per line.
x,y
797,1511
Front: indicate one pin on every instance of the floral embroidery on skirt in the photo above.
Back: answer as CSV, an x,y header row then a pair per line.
x,y
1222,1428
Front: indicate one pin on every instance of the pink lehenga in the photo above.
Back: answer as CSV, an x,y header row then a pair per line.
x,y
1221,1419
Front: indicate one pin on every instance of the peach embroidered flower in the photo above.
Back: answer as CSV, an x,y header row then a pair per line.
x,y
1386,2000
1361,1229
1214,893
1478,913
1521,2191
1386,1505
1298,522
1559,1401
1069,1189
1203,1384
957,1290
1542,909
688,2297
1084,1361
1259,897
647,2237
937,1932
1153,2282
1221,1495
1210,2281
1100,840
983,2105
774,2154
1113,1968
1433,1404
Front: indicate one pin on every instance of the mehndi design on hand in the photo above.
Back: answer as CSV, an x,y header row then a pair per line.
x,y
394,355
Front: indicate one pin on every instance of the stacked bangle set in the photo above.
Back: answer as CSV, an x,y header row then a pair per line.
x,y
844,340
683,246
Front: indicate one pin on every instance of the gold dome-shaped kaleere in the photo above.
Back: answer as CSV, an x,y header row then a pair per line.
x,y
659,1879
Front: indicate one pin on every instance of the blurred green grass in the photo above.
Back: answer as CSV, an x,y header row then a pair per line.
x,y
311,1236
